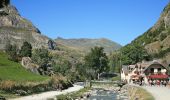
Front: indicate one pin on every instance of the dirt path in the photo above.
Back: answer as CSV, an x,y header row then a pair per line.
x,y
160,93
50,94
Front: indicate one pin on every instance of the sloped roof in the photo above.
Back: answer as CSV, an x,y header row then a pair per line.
x,y
155,62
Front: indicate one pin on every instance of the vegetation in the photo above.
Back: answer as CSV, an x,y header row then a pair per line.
x,y
117,78
132,54
84,45
63,67
161,54
13,71
14,55
74,95
26,50
13,76
96,61
14,79
115,62
11,50
137,93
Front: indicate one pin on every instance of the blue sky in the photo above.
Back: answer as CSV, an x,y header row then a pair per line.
x,y
118,20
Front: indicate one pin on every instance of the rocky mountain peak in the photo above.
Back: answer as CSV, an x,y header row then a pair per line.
x,y
9,17
4,3
16,29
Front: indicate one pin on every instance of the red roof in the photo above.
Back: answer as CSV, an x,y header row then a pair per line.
x,y
158,76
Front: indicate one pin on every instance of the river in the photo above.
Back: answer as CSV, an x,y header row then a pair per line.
x,y
106,92
101,94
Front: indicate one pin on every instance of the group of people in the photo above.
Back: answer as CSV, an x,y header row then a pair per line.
x,y
157,82
152,82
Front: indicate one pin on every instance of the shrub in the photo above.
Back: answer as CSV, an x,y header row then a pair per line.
x,y
11,50
26,50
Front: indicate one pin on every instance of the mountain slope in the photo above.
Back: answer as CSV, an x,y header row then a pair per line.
x,y
10,70
16,29
84,45
156,40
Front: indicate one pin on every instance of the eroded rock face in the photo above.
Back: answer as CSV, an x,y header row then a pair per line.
x,y
13,19
17,29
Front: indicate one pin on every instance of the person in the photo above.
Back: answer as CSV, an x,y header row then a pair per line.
x,y
162,82
158,82
150,82
154,82
165,83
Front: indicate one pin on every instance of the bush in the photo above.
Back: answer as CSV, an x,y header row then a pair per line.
x,y
63,97
11,50
26,50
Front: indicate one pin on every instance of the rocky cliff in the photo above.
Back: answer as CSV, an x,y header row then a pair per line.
x,y
16,29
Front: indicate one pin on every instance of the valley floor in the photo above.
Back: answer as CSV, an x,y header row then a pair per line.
x,y
50,94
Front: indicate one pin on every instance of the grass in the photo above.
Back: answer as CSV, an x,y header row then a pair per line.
x,y
12,75
8,95
140,93
13,71
15,79
117,78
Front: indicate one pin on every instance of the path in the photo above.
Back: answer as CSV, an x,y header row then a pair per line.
x,y
159,93
50,94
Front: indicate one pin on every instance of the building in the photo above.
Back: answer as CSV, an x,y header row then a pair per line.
x,y
144,71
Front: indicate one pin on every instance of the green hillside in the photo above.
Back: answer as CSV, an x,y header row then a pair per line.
x,y
84,45
10,70
155,42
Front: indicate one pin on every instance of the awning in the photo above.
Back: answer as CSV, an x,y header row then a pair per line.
x,y
136,77
158,76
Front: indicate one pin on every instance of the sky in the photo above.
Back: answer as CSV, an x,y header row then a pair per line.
x,y
118,20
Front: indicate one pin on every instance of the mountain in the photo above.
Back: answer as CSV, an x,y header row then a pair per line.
x,y
16,29
84,45
156,40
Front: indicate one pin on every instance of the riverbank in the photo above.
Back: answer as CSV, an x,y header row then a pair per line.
x,y
50,94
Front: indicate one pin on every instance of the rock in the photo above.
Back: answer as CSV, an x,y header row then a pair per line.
x,y
21,92
17,29
51,45
4,3
27,64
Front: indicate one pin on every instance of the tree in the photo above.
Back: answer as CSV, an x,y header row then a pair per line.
x,y
132,54
97,60
115,61
11,50
41,57
63,67
26,50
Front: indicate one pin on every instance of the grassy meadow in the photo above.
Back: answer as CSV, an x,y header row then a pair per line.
x,y
13,71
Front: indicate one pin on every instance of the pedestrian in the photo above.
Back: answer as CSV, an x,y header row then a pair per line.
x,y
165,83
162,82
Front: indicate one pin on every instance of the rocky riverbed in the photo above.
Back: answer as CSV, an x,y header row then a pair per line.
x,y
105,92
